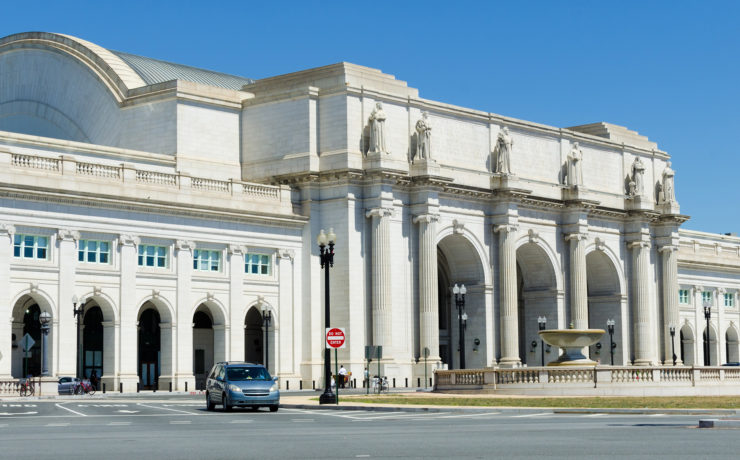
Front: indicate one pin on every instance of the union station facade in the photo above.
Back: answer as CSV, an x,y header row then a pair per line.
x,y
179,207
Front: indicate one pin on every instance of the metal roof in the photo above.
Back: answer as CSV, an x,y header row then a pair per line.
x,y
154,71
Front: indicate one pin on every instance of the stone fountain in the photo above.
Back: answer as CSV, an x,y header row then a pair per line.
x,y
572,341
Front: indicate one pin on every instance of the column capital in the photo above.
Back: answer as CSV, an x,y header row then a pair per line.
x,y
184,245
128,240
639,244
7,229
426,218
698,288
286,254
379,212
668,248
576,236
506,228
237,249
67,234
721,290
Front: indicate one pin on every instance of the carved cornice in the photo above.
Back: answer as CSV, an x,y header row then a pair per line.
x,y
66,234
286,254
600,244
458,227
576,236
639,244
426,218
668,248
7,230
379,212
184,245
505,228
237,249
128,240
534,236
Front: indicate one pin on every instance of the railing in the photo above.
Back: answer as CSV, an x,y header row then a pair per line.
x,y
632,375
92,169
570,375
35,162
210,184
519,375
157,178
13,387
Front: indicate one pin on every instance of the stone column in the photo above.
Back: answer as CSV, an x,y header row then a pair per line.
x,y
578,290
381,277
508,308
428,300
235,340
6,309
183,347
128,358
670,304
644,353
66,335
283,333
719,296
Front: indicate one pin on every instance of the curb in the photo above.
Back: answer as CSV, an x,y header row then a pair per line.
x,y
716,423
648,411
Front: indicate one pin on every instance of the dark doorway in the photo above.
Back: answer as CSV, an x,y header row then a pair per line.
x,y
149,349
92,343
32,327
202,347
253,338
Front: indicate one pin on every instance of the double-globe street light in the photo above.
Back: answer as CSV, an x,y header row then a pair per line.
x,y
326,250
462,318
79,314
612,345
707,315
672,330
542,324
266,320
45,318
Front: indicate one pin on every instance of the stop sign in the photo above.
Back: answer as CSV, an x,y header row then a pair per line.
x,y
335,337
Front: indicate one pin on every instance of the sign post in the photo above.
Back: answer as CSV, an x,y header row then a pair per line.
x,y
426,356
336,339
27,343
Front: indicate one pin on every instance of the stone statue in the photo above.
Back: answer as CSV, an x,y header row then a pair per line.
x,y
423,138
377,130
638,171
669,195
575,174
504,144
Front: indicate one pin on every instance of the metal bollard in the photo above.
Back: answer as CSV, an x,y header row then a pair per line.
x,y
313,384
394,382
300,384
104,388
287,385
418,382
430,382
354,383
170,387
120,387
186,386
138,387
407,383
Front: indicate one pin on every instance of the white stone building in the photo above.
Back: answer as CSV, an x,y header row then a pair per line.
x,y
177,204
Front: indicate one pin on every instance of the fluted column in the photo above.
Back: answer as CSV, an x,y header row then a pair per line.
x,y
381,273
670,304
428,300
644,354
7,326
578,290
509,321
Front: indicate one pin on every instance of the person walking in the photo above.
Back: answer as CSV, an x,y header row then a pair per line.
x,y
342,376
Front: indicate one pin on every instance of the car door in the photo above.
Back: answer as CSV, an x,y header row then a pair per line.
x,y
211,383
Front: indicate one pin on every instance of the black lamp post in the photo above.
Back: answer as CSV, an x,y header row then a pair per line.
x,y
45,318
612,345
266,320
542,324
462,318
707,315
672,330
79,314
327,260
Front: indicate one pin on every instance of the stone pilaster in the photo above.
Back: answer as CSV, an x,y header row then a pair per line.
x,y
283,333
428,294
183,363
670,304
381,277
509,321
128,355
644,353
235,341
6,309
65,335
578,287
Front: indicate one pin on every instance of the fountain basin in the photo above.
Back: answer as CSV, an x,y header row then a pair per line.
x,y
572,341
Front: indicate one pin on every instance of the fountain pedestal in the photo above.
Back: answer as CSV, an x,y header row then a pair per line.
x,y
572,341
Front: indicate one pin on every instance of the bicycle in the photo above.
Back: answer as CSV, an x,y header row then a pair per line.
x,y
84,387
26,388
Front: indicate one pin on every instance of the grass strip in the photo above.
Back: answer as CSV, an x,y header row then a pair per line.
x,y
627,402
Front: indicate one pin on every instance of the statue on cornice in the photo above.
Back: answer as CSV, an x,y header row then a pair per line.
x,y
504,144
637,183
377,130
423,138
575,173
669,194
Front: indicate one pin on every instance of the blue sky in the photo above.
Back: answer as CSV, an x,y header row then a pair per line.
x,y
668,69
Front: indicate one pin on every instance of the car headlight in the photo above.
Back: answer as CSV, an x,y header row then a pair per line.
x,y
235,388
274,387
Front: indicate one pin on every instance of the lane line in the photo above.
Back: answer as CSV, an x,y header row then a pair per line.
x,y
167,408
73,411
57,424
539,414
119,423
299,420
595,415
179,422
241,421
3,425
471,415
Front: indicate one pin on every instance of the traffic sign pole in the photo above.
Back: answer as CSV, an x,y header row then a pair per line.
x,y
336,372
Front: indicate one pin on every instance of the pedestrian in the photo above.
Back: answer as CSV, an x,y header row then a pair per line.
x,y
366,376
342,376
94,379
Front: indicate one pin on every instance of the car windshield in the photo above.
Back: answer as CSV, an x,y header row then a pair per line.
x,y
235,374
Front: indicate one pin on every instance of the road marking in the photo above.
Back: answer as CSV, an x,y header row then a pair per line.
x,y
3,425
19,413
180,422
17,405
124,411
241,421
470,415
57,424
595,415
302,419
119,423
656,415
362,455
73,411
539,414
167,408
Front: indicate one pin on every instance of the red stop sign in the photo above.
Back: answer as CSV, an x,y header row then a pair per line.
x,y
335,337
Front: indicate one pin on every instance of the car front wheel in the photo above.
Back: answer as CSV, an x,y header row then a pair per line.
x,y
209,404
225,404
274,408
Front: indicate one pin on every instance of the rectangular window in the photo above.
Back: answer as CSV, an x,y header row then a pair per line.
x,y
93,252
706,297
152,256
209,261
30,247
683,296
729,299
257,264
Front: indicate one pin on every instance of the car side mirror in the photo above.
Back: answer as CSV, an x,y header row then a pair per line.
x,y
274,379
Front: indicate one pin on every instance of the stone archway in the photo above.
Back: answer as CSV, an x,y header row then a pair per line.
x,y
537,296
25,320
154,346
458,263
604,303
732,352
209,340
686,338
713,358
253,337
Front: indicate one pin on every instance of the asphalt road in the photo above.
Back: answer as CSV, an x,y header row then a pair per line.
x,y
182,429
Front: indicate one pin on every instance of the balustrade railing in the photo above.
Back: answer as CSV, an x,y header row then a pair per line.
x,y
97,170
35,162
518,375
210,184
13,387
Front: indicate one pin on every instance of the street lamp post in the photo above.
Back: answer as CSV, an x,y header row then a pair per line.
x,y
462,318
672,330
542,324
326,251
266,320
612,345
45,318
707,315
79,314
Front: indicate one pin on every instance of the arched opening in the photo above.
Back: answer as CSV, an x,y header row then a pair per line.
x,y
731,346
687,345
92,342
458,263
253,337
536,297
202,346
26,320
604,303
711,345
150,342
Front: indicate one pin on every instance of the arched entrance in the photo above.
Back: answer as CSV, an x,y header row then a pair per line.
x,y
604,303
92,342
686,337
458,263
712,344
202,346
731,346
26,314
253,337
537,296
150,341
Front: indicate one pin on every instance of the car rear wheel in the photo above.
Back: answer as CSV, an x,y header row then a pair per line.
x,y
274,408
209,403
225,404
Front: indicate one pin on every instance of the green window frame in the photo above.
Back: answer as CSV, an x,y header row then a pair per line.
x,y
93,251
683,296
706,296
152,256
205,260
257,264
30,247
729,299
